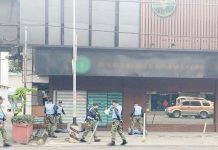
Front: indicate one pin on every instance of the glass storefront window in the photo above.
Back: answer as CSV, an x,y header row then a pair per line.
x,y
180,108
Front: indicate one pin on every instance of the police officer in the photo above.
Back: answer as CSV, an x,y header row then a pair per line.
x,y
116,110
91,121
51,112
137,117
60,112
2,130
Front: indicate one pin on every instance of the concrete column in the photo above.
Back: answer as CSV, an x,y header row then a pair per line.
x,y
29,79
32,78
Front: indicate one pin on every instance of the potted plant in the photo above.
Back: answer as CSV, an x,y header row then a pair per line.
x,y
22,125
22,128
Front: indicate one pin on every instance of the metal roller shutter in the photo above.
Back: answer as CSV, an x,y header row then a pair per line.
x,y
104,100
118,96
67,99
101,99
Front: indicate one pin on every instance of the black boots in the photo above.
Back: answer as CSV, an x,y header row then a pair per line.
x,y
112,143
6,145
124,142
95,140
83,140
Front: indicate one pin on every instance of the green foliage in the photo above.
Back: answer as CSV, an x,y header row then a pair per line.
x,y
14,66
22,119
20,96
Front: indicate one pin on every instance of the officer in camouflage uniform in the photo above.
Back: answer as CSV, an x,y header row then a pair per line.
x,y
60,112
116,110
2,130
91,121
137,117
51,112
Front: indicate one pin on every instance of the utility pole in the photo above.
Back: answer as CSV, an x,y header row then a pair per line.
x,y
25,65
74,58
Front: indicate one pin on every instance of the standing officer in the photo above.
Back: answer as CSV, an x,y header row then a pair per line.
x,y
51,112
137,117
60,112
2,130
116,110
91,121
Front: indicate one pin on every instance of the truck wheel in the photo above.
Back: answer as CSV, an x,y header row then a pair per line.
x,y
170,115
176,114
203,114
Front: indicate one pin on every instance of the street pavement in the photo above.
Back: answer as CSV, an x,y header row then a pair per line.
x,y
127,147
153,141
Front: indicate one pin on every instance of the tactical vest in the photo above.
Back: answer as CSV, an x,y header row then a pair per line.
x,y
119,108
90,113
138,111
59,111
50,109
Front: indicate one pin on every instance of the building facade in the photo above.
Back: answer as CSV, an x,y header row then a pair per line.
x,y
135,51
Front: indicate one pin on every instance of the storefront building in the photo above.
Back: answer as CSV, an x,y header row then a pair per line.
x,y
132,76
135,51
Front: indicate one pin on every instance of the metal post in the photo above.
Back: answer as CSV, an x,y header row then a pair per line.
x,y
74,58
25,64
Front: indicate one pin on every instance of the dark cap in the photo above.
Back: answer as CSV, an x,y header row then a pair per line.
x,y
114,101
95,104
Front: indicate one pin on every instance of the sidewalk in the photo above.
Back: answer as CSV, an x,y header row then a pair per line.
x,y
153,138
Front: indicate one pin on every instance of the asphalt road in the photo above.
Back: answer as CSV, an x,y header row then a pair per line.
x,y
162,118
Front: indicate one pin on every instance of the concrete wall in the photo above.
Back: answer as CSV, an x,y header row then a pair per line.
x,y
4,78
3,68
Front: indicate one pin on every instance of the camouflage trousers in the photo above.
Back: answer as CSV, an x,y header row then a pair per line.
x,y
90,126
59,119
4,133
137,122
50,120
116,127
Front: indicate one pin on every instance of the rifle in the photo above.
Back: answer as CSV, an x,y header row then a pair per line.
x,y
98,116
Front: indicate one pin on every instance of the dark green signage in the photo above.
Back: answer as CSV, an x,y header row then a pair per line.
x,y
163,8
127,63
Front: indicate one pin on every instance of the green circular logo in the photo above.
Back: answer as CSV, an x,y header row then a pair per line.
x,y
163,8
83,64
